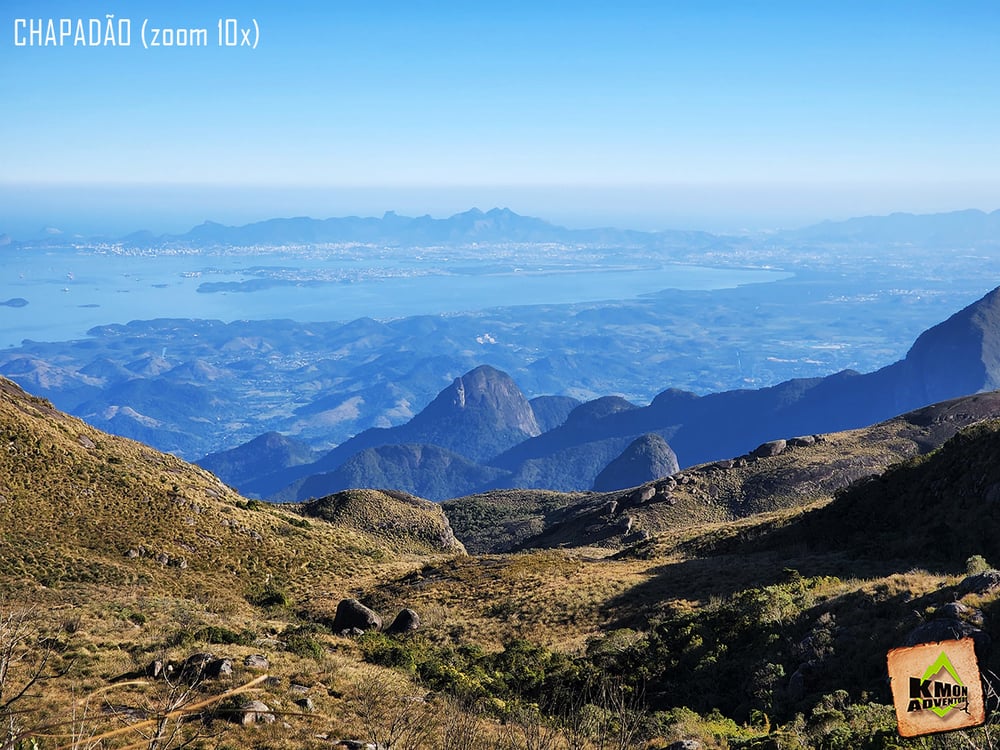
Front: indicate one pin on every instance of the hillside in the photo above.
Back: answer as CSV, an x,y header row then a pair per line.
x,y
701,627
787,473
951,496
138,515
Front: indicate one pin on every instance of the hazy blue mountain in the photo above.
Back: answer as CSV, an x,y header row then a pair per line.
x,y
552,411
955,358
962,353
955,228
241,465
647,458
425,470
480,415
610,443
474,225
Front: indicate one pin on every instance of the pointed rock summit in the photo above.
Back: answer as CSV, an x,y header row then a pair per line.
x,y
479,415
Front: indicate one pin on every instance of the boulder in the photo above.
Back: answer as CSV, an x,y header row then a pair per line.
x,y
685,745
254,712
771,448
353,614
644,494
218,668
405,621
256,661
154,669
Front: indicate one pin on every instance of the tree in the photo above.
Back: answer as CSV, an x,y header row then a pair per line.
x,y
24,662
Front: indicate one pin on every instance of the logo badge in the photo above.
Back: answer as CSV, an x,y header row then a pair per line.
x,y
936,687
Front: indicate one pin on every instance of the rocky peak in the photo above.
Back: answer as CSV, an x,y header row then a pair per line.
x,y
488,391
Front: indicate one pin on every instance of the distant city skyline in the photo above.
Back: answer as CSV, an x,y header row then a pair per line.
x,y
709,115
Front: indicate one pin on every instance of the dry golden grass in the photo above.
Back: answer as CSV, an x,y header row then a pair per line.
x,y
210,566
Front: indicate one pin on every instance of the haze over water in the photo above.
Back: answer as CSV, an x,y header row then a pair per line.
x,y
69,293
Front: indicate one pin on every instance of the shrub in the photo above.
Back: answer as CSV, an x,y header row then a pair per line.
x,y
977,564
225,636
271,595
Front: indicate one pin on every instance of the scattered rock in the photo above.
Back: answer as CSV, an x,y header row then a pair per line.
x,y
685,745
219,668
254,712
803,441
353,614
405,621
256,661
771,448
306,704
644,494
981,583
154,669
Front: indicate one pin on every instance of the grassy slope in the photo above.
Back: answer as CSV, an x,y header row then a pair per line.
x,y
708,604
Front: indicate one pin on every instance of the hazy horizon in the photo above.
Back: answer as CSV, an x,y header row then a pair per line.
x,y
723,116
27,211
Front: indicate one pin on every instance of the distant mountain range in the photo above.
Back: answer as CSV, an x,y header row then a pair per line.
x,y
481,431
474,225
954,228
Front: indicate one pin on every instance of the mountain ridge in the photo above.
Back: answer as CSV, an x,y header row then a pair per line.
x,y
698,429
498,224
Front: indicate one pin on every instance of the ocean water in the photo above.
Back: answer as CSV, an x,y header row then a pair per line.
x,y
69,292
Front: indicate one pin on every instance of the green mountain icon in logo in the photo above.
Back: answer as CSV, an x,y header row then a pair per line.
x,y
944,663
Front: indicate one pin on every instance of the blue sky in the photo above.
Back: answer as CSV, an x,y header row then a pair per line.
x,y
648,114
